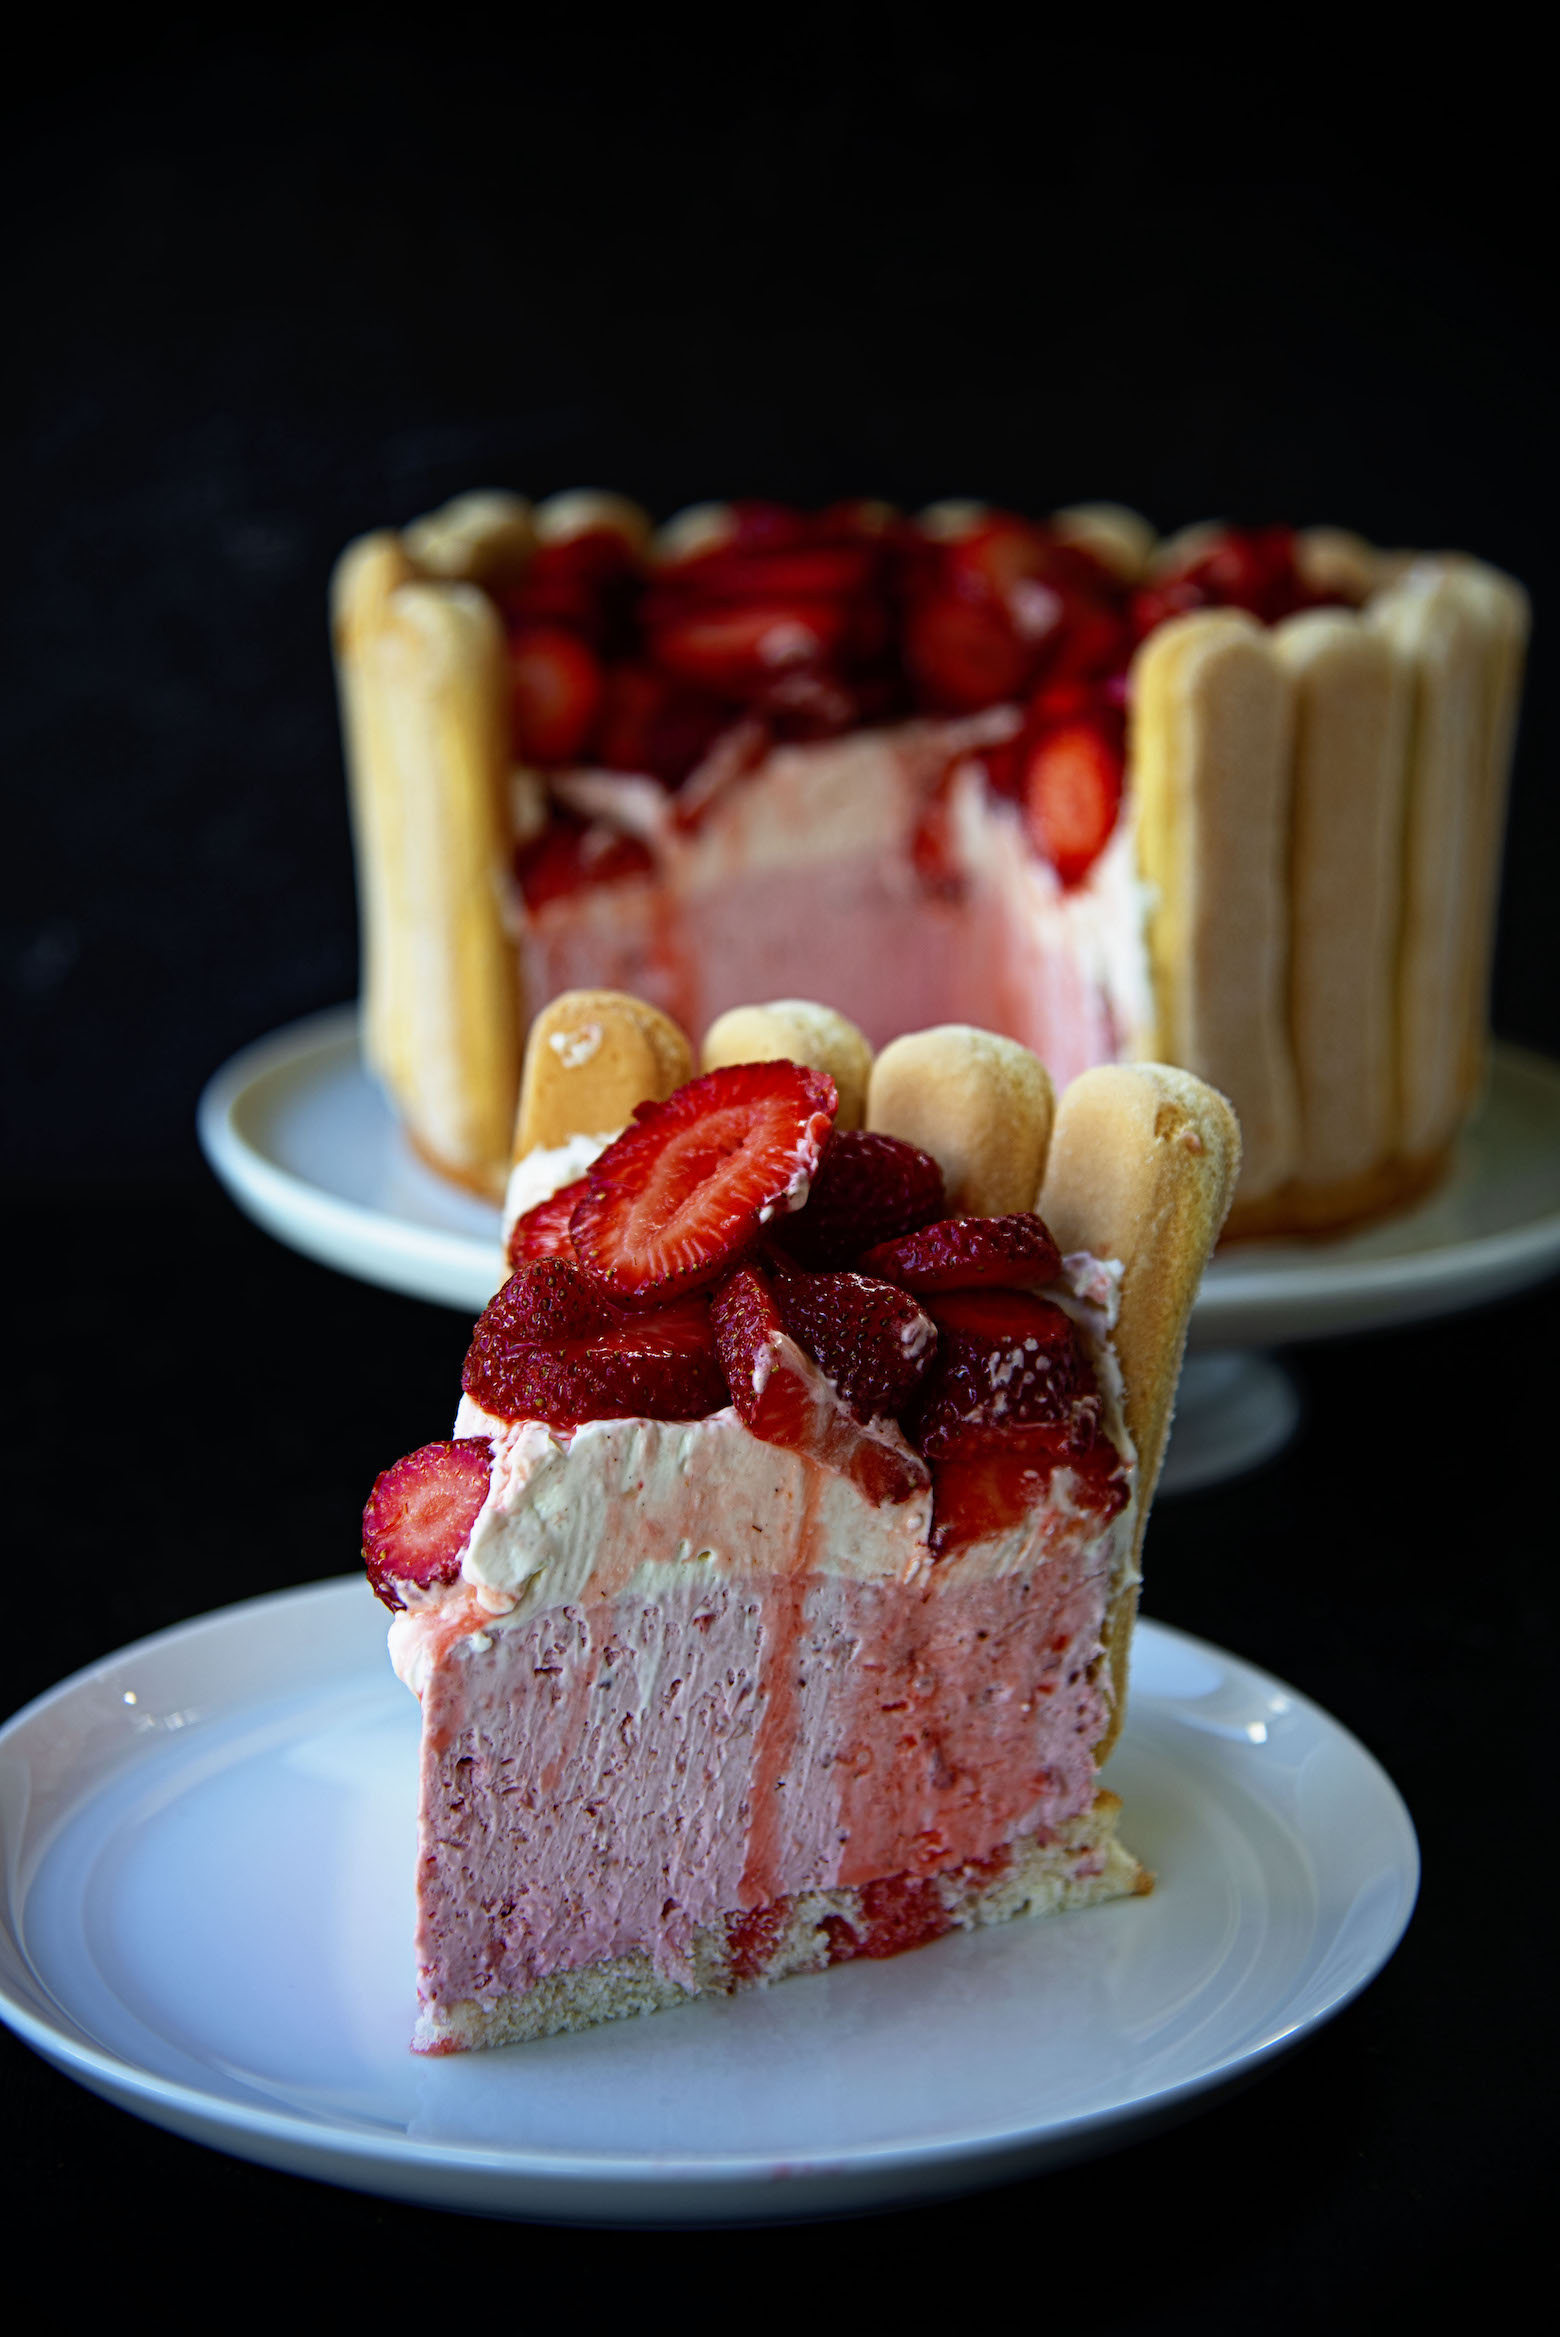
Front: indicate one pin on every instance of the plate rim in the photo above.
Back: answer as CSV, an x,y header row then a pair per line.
x,y
661,2180
1315,1283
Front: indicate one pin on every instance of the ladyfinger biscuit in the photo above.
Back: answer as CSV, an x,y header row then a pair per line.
x,y
1499,608
1427,618
1212,736
583,511
592,1055
979,1104
1352,698
481,538
423,684
1122,540
364,577
1142,1165
798,1031
1333,560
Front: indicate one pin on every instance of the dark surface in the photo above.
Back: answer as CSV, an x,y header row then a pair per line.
x,y
276,292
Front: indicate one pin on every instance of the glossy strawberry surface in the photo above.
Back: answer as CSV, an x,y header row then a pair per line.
x,y
419,1517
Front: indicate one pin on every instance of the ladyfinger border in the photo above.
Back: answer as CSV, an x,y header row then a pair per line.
x,y
1240,839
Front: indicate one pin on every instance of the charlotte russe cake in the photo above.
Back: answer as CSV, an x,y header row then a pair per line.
x,y
1233,800
770,1605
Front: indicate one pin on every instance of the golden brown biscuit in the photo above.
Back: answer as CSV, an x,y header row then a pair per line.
x,y
979,1104
481,538
592,1055
1212,734
799,1031
1122,540
1143,1161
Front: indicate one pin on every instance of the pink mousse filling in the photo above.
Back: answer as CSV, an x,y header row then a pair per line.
x,y
613,1773
802,882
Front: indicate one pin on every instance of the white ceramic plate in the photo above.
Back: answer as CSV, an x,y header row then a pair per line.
x,y
207,1917
304,1142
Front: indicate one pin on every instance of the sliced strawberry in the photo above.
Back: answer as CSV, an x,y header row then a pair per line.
x,y
543,1232
570,854
551,1351
873,1342
999,552
739,648
966,1253
652,724
555,686
782,1396
1006,1361
583,582
420,1514
694,1181
962,655
1072,794
978,1495
804,571
1093,639
868,1188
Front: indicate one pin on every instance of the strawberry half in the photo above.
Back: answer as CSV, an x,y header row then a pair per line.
x,y
962,655
868,1189
543,1232
1006,1362
555,686
873,1342
783,1396
966,1253
419,1517
737,648
685,1190
547,1348
1072,794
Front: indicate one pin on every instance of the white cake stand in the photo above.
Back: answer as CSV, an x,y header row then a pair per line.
x,y
303,1140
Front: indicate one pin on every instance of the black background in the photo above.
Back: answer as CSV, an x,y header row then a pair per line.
x,y
274,287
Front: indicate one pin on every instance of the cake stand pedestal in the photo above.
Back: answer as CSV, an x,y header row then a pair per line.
x,y
302,1139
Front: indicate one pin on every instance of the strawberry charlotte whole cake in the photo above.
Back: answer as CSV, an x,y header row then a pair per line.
x,y
1232,801
769,1606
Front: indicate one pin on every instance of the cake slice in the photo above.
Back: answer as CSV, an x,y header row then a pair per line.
x,y
770,1605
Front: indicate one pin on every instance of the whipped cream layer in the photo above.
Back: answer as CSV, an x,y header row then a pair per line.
x,y
796,878
685,1672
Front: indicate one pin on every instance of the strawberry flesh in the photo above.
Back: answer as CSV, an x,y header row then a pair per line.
x,y
868,1189
555,686
1072,793
543,1232
546,1348
962,655
965,1253
419,1517
872,1342
695,1180
783,1396
1006,1361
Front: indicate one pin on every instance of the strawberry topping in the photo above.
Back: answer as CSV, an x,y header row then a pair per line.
x,y
868,1188
543,1232
685,1190
555,686
571,854
873,1342
1006,1362
781,1394
548,1348
963,1253
965,654
1072,793
419,1516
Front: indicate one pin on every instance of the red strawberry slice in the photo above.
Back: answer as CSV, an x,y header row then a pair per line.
x,y
962,655
695,1180
965,1253
651,724
1006,1362
805,571
868,1189
555,686
782,1396
873,1342
543,1232
571,854
581,582
998,552
419,1517
547,1349
741,648
978,1495
1072,794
